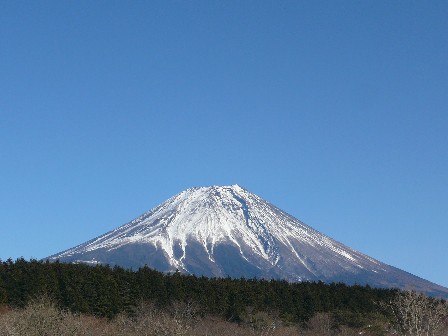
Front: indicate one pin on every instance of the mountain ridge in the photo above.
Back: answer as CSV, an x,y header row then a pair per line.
x,y
229,231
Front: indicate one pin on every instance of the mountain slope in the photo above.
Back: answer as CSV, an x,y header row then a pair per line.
x,y
228,231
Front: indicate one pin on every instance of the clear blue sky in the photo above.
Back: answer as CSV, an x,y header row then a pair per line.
x,y
335,111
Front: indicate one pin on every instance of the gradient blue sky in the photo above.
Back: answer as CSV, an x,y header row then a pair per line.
x,y
335,111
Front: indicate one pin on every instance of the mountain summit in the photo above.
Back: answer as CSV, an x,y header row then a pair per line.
x,y
224,231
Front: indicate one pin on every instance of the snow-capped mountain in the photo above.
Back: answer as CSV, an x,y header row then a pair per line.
x,y
228,231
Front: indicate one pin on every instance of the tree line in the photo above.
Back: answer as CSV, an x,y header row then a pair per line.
x,y
107,292
104,291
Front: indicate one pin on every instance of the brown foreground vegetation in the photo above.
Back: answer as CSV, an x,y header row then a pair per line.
x,y
42,317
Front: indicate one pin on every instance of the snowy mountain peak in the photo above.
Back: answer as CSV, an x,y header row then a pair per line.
x,y
229,231
208,215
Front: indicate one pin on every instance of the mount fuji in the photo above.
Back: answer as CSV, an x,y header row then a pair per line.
x,y
222,231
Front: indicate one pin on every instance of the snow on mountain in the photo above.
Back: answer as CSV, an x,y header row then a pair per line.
x,y
229,231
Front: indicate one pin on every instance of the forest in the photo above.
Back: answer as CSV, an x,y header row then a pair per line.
x,y
177,304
